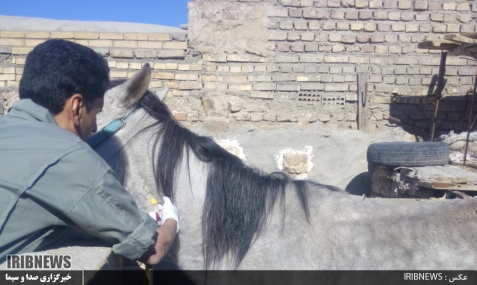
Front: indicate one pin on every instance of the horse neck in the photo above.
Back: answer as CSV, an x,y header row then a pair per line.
x,y
130,154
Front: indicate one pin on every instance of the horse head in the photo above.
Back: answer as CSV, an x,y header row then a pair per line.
x,y
123,96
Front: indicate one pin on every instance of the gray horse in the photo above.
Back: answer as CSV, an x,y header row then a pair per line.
x,y
236,217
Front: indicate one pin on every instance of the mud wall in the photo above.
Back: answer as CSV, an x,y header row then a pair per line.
x,y
287,61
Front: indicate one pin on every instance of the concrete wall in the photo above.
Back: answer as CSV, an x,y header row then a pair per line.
x,y
287,61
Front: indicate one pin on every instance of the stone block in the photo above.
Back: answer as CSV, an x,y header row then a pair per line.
x,y
21,50
348,3
375,4
37,34
295,12
186,76
336,58
262,95
405,4
324,117
171,54
328,26
278,12
189,85
334,3
159,37
424,16
439,28
365,15
311,57
342,26
175,45
100,43
235,106
380,15
349,39
150,44
357,26
307,3
351,15
136,36
412,28
179,116
217,124
407,16
17,42
309,13
111,36
394,16
437,17
335,37
12,34
229,15
464,6
85,35
295,163
145,53
283,47
122,53
264,86
124,44
240,87
336,87
398,27
256,117
162,75
337,14
421,5
360,4
314,25
312,87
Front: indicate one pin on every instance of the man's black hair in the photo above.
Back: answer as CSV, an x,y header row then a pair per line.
x,y
57,69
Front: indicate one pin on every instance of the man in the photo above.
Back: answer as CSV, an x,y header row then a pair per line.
x,y
51,179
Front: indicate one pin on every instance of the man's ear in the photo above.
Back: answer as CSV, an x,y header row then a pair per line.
x,y
74,105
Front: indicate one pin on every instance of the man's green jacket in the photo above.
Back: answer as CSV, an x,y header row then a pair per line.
x,y
50,179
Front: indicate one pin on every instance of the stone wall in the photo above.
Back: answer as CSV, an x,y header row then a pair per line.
x,y
287,61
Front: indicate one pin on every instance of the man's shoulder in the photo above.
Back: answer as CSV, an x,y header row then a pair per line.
x,y
48,142
36,132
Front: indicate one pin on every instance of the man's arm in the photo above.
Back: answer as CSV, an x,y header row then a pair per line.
x,y
169,217
164,240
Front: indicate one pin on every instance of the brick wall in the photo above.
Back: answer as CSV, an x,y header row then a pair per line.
x,y
289,61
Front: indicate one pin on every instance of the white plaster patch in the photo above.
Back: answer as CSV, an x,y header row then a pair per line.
x,y
308,151
233,147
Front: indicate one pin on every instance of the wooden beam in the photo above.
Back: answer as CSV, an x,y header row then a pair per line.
x,y
363,100
441,82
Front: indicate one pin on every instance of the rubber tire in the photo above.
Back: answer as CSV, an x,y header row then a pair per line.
x,y
408,153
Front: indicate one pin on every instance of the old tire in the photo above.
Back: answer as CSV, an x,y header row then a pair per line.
x,y
408,153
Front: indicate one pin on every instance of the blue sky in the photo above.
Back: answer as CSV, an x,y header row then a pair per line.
x,y
160,12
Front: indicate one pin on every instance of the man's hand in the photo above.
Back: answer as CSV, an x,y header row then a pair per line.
x,y
164,212
168,219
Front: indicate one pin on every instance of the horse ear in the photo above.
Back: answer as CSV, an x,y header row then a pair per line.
x,y
161,93
135,87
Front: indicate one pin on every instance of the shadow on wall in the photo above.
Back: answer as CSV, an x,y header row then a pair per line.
x,y
415,114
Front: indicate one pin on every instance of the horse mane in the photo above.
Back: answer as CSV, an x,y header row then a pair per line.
x,y
238,197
